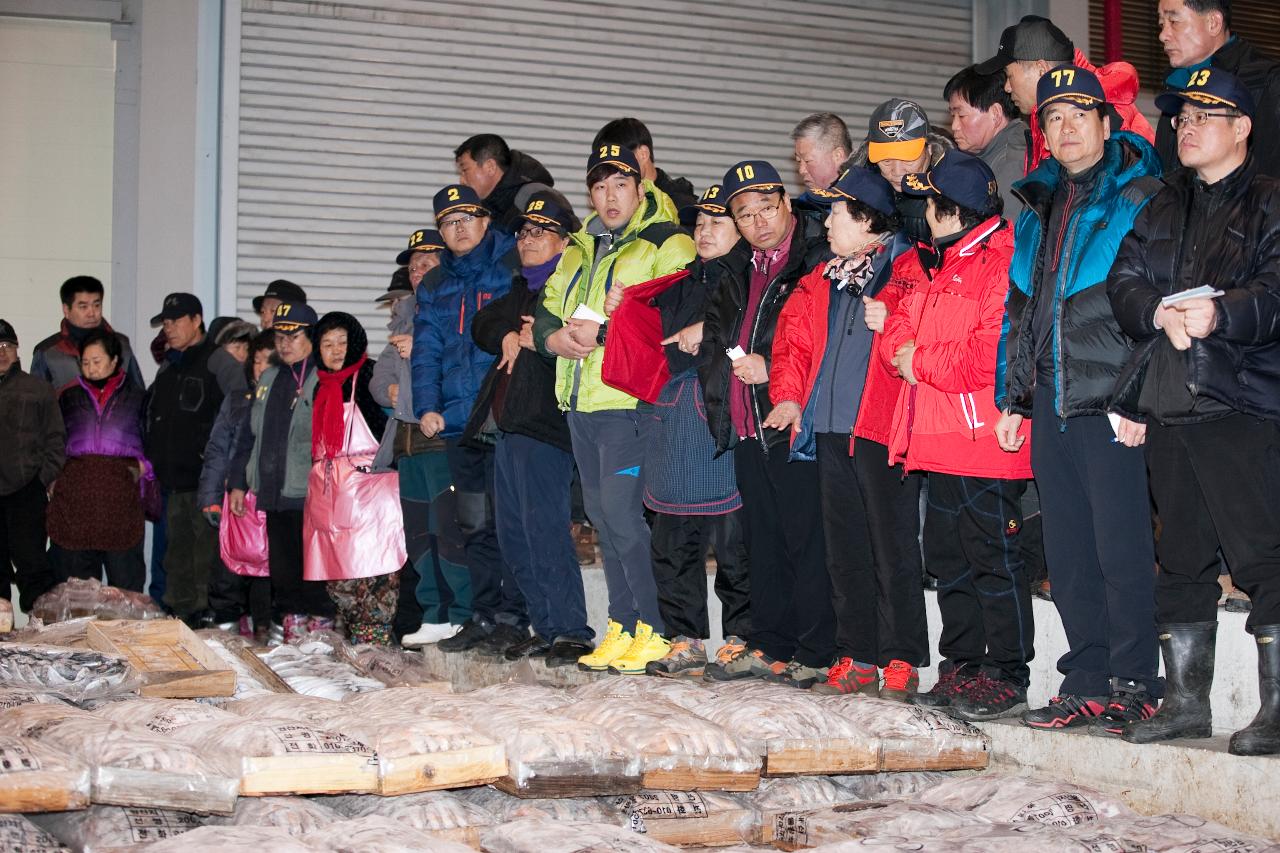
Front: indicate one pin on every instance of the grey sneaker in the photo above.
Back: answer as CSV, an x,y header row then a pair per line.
x,y
687,659
742,662
799,676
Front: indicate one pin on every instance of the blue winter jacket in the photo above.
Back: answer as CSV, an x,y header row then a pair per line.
x,y
448,367
1089,350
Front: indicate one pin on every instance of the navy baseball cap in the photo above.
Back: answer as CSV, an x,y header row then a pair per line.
x,y
178,305
619,156
862,185
282,289
422,240
293,317
550,210
1033,38
1209,87
711,202
457,198
750,176
960,177
1070,83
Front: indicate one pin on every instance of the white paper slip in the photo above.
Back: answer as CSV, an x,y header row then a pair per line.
x,y
586,312
1204,291
1115,423
736,353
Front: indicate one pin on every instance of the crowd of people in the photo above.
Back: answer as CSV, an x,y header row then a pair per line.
x,y
1044,289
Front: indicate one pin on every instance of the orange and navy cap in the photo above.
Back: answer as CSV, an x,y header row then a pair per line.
x,y
458,198
422,240
750,176
1208,88
898,130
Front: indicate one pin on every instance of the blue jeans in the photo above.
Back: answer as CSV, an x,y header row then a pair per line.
x,y
531,511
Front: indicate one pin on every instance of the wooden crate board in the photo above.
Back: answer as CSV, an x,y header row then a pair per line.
x,y
6,616
438,771
833,756
260,670
570,779
697,779
285,775
947,759
690,819
116,786
173,661
44,791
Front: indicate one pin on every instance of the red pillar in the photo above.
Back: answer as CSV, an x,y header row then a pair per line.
x,y
1113,30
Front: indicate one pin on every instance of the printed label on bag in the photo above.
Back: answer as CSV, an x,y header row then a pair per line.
x,y
18,834
304,740
1061,810
1112,844
17,758
1222,845
155,825
164,722
791,828
14,700
663,805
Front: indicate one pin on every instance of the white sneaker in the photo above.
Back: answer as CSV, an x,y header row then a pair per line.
x,y
430,632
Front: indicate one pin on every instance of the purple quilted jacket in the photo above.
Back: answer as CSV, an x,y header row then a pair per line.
x,y
110,429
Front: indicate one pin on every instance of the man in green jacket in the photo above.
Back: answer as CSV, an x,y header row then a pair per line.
x,y
631,238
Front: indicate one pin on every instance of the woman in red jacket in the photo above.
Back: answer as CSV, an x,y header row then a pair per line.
x,y
943,340
839,401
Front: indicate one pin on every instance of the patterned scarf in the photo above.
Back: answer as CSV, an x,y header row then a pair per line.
x,y
855,271
329,416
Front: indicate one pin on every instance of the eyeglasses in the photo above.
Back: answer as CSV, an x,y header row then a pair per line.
x,y
458,221
534,232
5,346
768,213
1197,119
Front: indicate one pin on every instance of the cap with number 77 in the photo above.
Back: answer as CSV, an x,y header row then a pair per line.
x,y
1070,83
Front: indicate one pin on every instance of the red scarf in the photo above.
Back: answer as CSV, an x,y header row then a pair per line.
x,y
104,393
328,420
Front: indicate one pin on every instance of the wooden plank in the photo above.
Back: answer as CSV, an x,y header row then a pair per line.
x,y
6,616
284,775
44,791
260,670
569,780
438,771
946,759
173,661
697,779
834,756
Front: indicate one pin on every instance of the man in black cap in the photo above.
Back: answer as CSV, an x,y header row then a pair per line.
x,y
1036,45
633,133
1204,376
1062,350
422,255
280,290
792,639
900,143
448,371
34,442
273,460
182,405
1196,34
56,359
500,177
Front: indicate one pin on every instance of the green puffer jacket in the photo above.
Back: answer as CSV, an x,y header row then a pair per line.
x,y
651,245
298,446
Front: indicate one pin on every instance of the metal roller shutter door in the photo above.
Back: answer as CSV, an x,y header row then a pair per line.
x,y
348,113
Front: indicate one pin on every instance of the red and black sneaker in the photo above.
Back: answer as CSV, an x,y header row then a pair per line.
x,y
1129,703
985,698
951,677
1065,712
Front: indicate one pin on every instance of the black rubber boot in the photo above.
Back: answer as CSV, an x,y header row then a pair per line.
x,y
1187,648
1262,736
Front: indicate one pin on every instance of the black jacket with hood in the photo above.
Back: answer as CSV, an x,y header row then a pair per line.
x,y
524,177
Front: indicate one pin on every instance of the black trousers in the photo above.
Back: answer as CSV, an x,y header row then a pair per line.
x,y
1096,512
870,518
791,615
972,546
22,541
679,544
1216,485
289,592
495,596
124,569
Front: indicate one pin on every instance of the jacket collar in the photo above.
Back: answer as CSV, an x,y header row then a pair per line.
x,y
1125,156
1014,130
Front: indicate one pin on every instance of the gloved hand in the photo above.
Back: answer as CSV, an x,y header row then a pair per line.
x,y
213,515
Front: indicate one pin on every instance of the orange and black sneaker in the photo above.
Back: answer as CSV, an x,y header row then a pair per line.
x,y
687,659
744,663
901,681
849,676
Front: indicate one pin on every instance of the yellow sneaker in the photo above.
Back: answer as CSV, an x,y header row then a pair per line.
x,y
647,646
613,645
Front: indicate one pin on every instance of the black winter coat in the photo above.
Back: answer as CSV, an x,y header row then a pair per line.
x,y
528,405
182,404
1261,75
1239,363
506,199
726,312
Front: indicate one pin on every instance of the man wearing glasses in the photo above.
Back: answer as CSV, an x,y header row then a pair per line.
x,y
1206,377
448,371
1060,353
792,638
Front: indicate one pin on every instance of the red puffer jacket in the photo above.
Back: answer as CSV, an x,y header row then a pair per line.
x,y
1120,83
799,344
946,422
